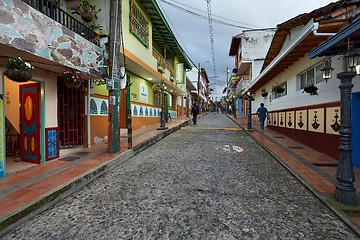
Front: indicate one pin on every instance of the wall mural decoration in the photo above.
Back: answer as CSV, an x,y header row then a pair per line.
x,y
99,106
281,119
301,120
269,119
275,123
290,120
52,143
316,120
144,111
2,138
333,120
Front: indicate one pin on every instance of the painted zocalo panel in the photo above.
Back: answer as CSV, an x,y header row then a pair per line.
x,y
275,119
301,120
316,120
269,119
290,119
333,120
282,119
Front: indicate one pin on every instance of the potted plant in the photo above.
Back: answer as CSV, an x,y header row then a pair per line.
x,y
72,79
264,93
278,88
161,65
312,89
85,10
18,70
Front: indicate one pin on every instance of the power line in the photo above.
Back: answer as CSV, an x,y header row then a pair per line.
x,y
204,17
214,15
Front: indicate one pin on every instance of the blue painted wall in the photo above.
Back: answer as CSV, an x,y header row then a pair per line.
x,y
355,122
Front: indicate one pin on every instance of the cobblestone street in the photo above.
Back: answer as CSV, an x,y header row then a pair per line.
x,y
210,181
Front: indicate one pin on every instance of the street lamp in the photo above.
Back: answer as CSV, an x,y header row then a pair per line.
x,y
250,99
345,190
162,112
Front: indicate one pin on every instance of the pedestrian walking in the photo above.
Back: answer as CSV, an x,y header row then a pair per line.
x,y
195,111
261,112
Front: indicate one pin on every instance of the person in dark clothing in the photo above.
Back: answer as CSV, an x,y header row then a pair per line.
x,y
195,111
261,112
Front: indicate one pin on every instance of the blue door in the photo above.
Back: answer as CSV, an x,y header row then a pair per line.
x,y
355,122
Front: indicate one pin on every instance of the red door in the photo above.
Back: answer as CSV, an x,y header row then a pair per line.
x,y
30,123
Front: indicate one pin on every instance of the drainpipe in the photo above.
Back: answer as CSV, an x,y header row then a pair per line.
x,y
88,115
315,29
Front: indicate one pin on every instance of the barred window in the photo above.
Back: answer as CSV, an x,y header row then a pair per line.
x,y
139,25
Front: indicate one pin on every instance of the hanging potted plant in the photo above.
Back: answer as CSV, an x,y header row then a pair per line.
x,y
278,88
86,11
264,93
18,70
312,89
72,79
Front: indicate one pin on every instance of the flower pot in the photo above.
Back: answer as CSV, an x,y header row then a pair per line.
x,y
72,85
87,17
18,75
264,94
280,90
310,89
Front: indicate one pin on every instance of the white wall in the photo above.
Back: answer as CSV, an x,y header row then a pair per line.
x,y
327,92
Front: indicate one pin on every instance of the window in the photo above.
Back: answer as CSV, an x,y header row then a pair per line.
x,y
139,25
278,94
310,76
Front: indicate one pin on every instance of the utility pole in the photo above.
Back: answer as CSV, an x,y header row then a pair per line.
x,y
198,85
113,83
227,85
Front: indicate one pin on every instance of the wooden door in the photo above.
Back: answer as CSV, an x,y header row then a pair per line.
x,y
30,123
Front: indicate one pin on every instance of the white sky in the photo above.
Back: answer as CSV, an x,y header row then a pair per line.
x,y
194,36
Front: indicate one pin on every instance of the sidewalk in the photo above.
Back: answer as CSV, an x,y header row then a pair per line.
x,y
314,169
26,193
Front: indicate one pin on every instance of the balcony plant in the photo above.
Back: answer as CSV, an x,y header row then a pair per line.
x,y
86,11
312,89
161,65
72,79
18,70
278,88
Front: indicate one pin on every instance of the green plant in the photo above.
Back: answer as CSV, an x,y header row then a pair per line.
x,y
84,7
71,76
18,64
96,26
279,88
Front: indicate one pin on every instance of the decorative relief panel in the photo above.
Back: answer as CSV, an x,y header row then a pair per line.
x,y
290,119
316,120
282,119
301,120
333,120
269,119
275,119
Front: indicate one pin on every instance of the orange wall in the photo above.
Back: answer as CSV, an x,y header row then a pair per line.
x,y
99,127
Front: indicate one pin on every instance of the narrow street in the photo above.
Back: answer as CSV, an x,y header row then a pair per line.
x,y
209,181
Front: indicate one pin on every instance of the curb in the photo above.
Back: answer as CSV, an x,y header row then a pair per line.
x,y
343,216
31,209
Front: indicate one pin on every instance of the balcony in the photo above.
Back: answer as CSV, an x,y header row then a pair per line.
x,y
54,12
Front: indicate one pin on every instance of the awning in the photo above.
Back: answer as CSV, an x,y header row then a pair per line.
x,y
338,43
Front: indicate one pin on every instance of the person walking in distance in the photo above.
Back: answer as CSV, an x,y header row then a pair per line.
x,y
195,111
261,112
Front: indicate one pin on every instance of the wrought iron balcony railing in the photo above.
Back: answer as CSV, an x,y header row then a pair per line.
x,y
50,9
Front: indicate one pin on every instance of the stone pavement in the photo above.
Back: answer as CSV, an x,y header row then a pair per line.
x,y
29,192
314,169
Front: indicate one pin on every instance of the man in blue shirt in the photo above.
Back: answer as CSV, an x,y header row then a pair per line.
x,y
262,112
